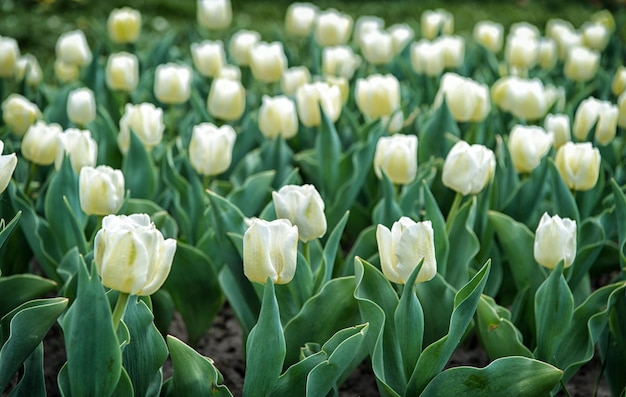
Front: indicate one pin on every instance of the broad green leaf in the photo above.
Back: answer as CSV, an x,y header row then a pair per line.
x,y
613,346
254,193
465,245
265,348
325,271
194,374
507,376
562,198
328,150
365,247
387,210
437,300
124,387
23,329
591,240
140,176
21,288
277,156
620,211
432,136
433,213
8,228
32,383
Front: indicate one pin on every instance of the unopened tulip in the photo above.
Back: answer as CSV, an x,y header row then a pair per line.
x,y
377,47
19,113
229,72
300,19
27,68
309,97
293,78
8,162
332,28
602,114
340,61
72,47
618,85
9,54
146,121
396,155
277,116
490,35
522,51
101,190
453,48
378,95
172,83
270,250
427,58
65,72
403,247
267,61
527,146
565,36
366,24
401,35
595,36
208,57
548,54
240,45
81,106
40,143
131,255
467,99
525,99
558,125
436,22
578,165
555,241
122,72
581,64
227,99
211,148
393,123
124,25
468,169
79,147
214,14
342,83
303,207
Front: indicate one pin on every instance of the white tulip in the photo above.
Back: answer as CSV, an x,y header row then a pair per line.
x,y
468,169
602,114
19,113
208,57
122,72
309,97
211,148
467,99
527,146
300,19
303,207
214,14
396,155
579,165
278,116
124,25
101,190
81,106
240,45
490,35
40,143
268,61
555,241
227,99
79,146
72,47
378,95
436,22
332,28
558,125
172,83
146,121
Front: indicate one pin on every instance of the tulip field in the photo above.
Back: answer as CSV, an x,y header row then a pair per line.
x,y
364,197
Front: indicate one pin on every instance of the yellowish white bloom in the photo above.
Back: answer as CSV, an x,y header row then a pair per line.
x,y
211,148
618,84
303,207
555,241
548,54
595,35
278,117
579,165
436,22
564,34
227,99
559,126
146,121
208,57
267,61
65,72
621,106
602,114
366,24
527,146
467,169
332,28
124,25
490,35
524,98
240,45
401,35
427,58
403,247
581,64
293,78
81,106
453,48
122,72
40,143
9,54
79,147
172,83
522,51
342,83
214,14
101,190
8,162
270,250
229,72
19,113
131,255
300,19
72,47
27,67
377,47
377,95
309,97
467,99
340,61
396,156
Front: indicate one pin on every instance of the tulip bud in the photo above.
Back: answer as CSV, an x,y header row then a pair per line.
x,y
427,58
79,146
547,53
555,241
558,126
602,114
581,64
396,155
131,255
9,54
401,35
366,24
214,14
277,116
72,47
8,162
394,123
490,35
522,51
378,95
40,143
621,106
122,72
332,28
211,148
466,99
300,19
525,99
227,99
303,207
453,48
564,34
595,36
618,85
527,146
172,83
342,83
229,72
270,249
579,165
208,57
19,113
101,190
339,61
81,106
27,68
267,61
468,169
403,247
309,97
146,121
436,22
377,47
65,72
240,45
293,78
124,25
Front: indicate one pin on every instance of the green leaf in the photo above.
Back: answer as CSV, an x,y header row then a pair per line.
x,y
466,245
21,288
23,329
252,196
194,375
194,288
433,213
140,174
591,240
8,228
562,198
620,211
365,246
94,359
432,138
387,210
554,306
325,272
437,300
507,376
32,383
265,348
435,356
124,387
613,346
328,150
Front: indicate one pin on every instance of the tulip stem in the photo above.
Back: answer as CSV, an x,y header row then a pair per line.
x,y
120,307
306,252
206,182
29,180
453,210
